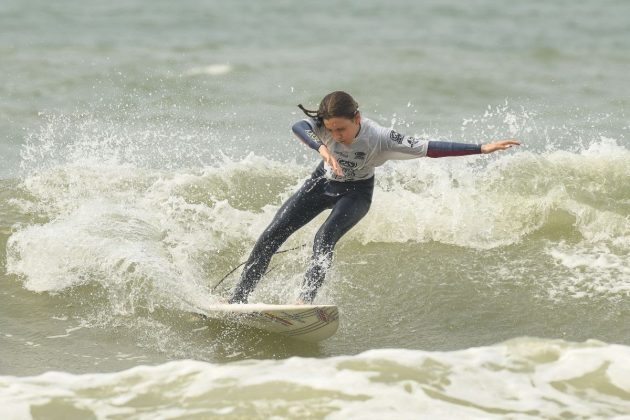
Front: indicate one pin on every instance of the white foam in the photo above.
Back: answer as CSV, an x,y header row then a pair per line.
x,y
594,270
520,378
141,234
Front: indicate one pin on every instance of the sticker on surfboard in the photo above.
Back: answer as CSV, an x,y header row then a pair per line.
x,y
311,323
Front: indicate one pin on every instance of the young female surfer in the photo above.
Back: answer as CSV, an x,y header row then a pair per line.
x,y
351,147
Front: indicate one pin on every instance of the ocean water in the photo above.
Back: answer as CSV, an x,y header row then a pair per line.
x,y
144,146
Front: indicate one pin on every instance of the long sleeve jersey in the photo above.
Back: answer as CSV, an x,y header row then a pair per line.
x,y
373,146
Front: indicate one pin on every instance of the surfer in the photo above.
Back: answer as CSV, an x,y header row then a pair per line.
x,y
351,146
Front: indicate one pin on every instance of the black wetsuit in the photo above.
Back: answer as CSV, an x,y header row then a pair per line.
x,y
349,203
349,196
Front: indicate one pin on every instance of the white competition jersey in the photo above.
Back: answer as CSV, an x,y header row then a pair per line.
x,y
373,146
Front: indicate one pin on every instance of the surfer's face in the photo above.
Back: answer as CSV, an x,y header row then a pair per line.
x,y
343,130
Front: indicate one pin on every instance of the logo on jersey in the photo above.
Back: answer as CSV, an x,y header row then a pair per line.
x,y
347,163
359,155
397,137
348,173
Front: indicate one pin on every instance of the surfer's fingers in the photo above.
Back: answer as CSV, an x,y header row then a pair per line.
x,y
499,145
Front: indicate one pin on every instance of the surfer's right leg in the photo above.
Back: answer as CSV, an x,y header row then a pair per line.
x,y
300,209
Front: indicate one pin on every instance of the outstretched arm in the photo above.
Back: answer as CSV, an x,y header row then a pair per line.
x,y
437,149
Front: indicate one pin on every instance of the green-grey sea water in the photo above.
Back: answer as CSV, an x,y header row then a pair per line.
x,y
144,146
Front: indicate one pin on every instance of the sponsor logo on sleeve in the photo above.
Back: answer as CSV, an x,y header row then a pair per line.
x,y
396,136
412,142
312,136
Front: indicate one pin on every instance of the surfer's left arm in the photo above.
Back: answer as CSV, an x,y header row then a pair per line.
x,y
437,149
402,146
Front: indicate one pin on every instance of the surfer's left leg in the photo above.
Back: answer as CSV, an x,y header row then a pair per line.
x,y
346,213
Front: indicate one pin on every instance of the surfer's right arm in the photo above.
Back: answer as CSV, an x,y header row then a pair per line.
x,y
304,131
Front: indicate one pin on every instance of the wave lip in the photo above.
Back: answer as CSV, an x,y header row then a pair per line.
x,y
107,217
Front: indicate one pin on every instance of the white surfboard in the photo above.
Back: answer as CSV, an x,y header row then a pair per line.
x,y
304,322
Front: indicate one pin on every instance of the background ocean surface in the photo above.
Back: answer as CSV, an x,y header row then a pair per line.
x,y
144,146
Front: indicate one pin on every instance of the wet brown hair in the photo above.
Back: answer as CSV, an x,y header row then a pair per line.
x,y
337,104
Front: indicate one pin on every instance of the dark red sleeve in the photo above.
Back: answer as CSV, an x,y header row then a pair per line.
x,y
438,149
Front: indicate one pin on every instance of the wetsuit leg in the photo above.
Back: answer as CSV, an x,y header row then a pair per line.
x,y
346,213
300,209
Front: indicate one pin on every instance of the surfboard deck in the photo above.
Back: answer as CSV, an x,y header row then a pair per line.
x,y
310,323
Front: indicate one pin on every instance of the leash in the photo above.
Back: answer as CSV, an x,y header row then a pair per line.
x,y
243,263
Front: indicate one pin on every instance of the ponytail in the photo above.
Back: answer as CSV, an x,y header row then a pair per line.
x,y
334,105
309,113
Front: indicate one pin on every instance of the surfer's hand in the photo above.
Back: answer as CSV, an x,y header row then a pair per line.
x,y
499,145
330,160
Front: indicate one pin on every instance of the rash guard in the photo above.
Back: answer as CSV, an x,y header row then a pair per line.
x,y
373,146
